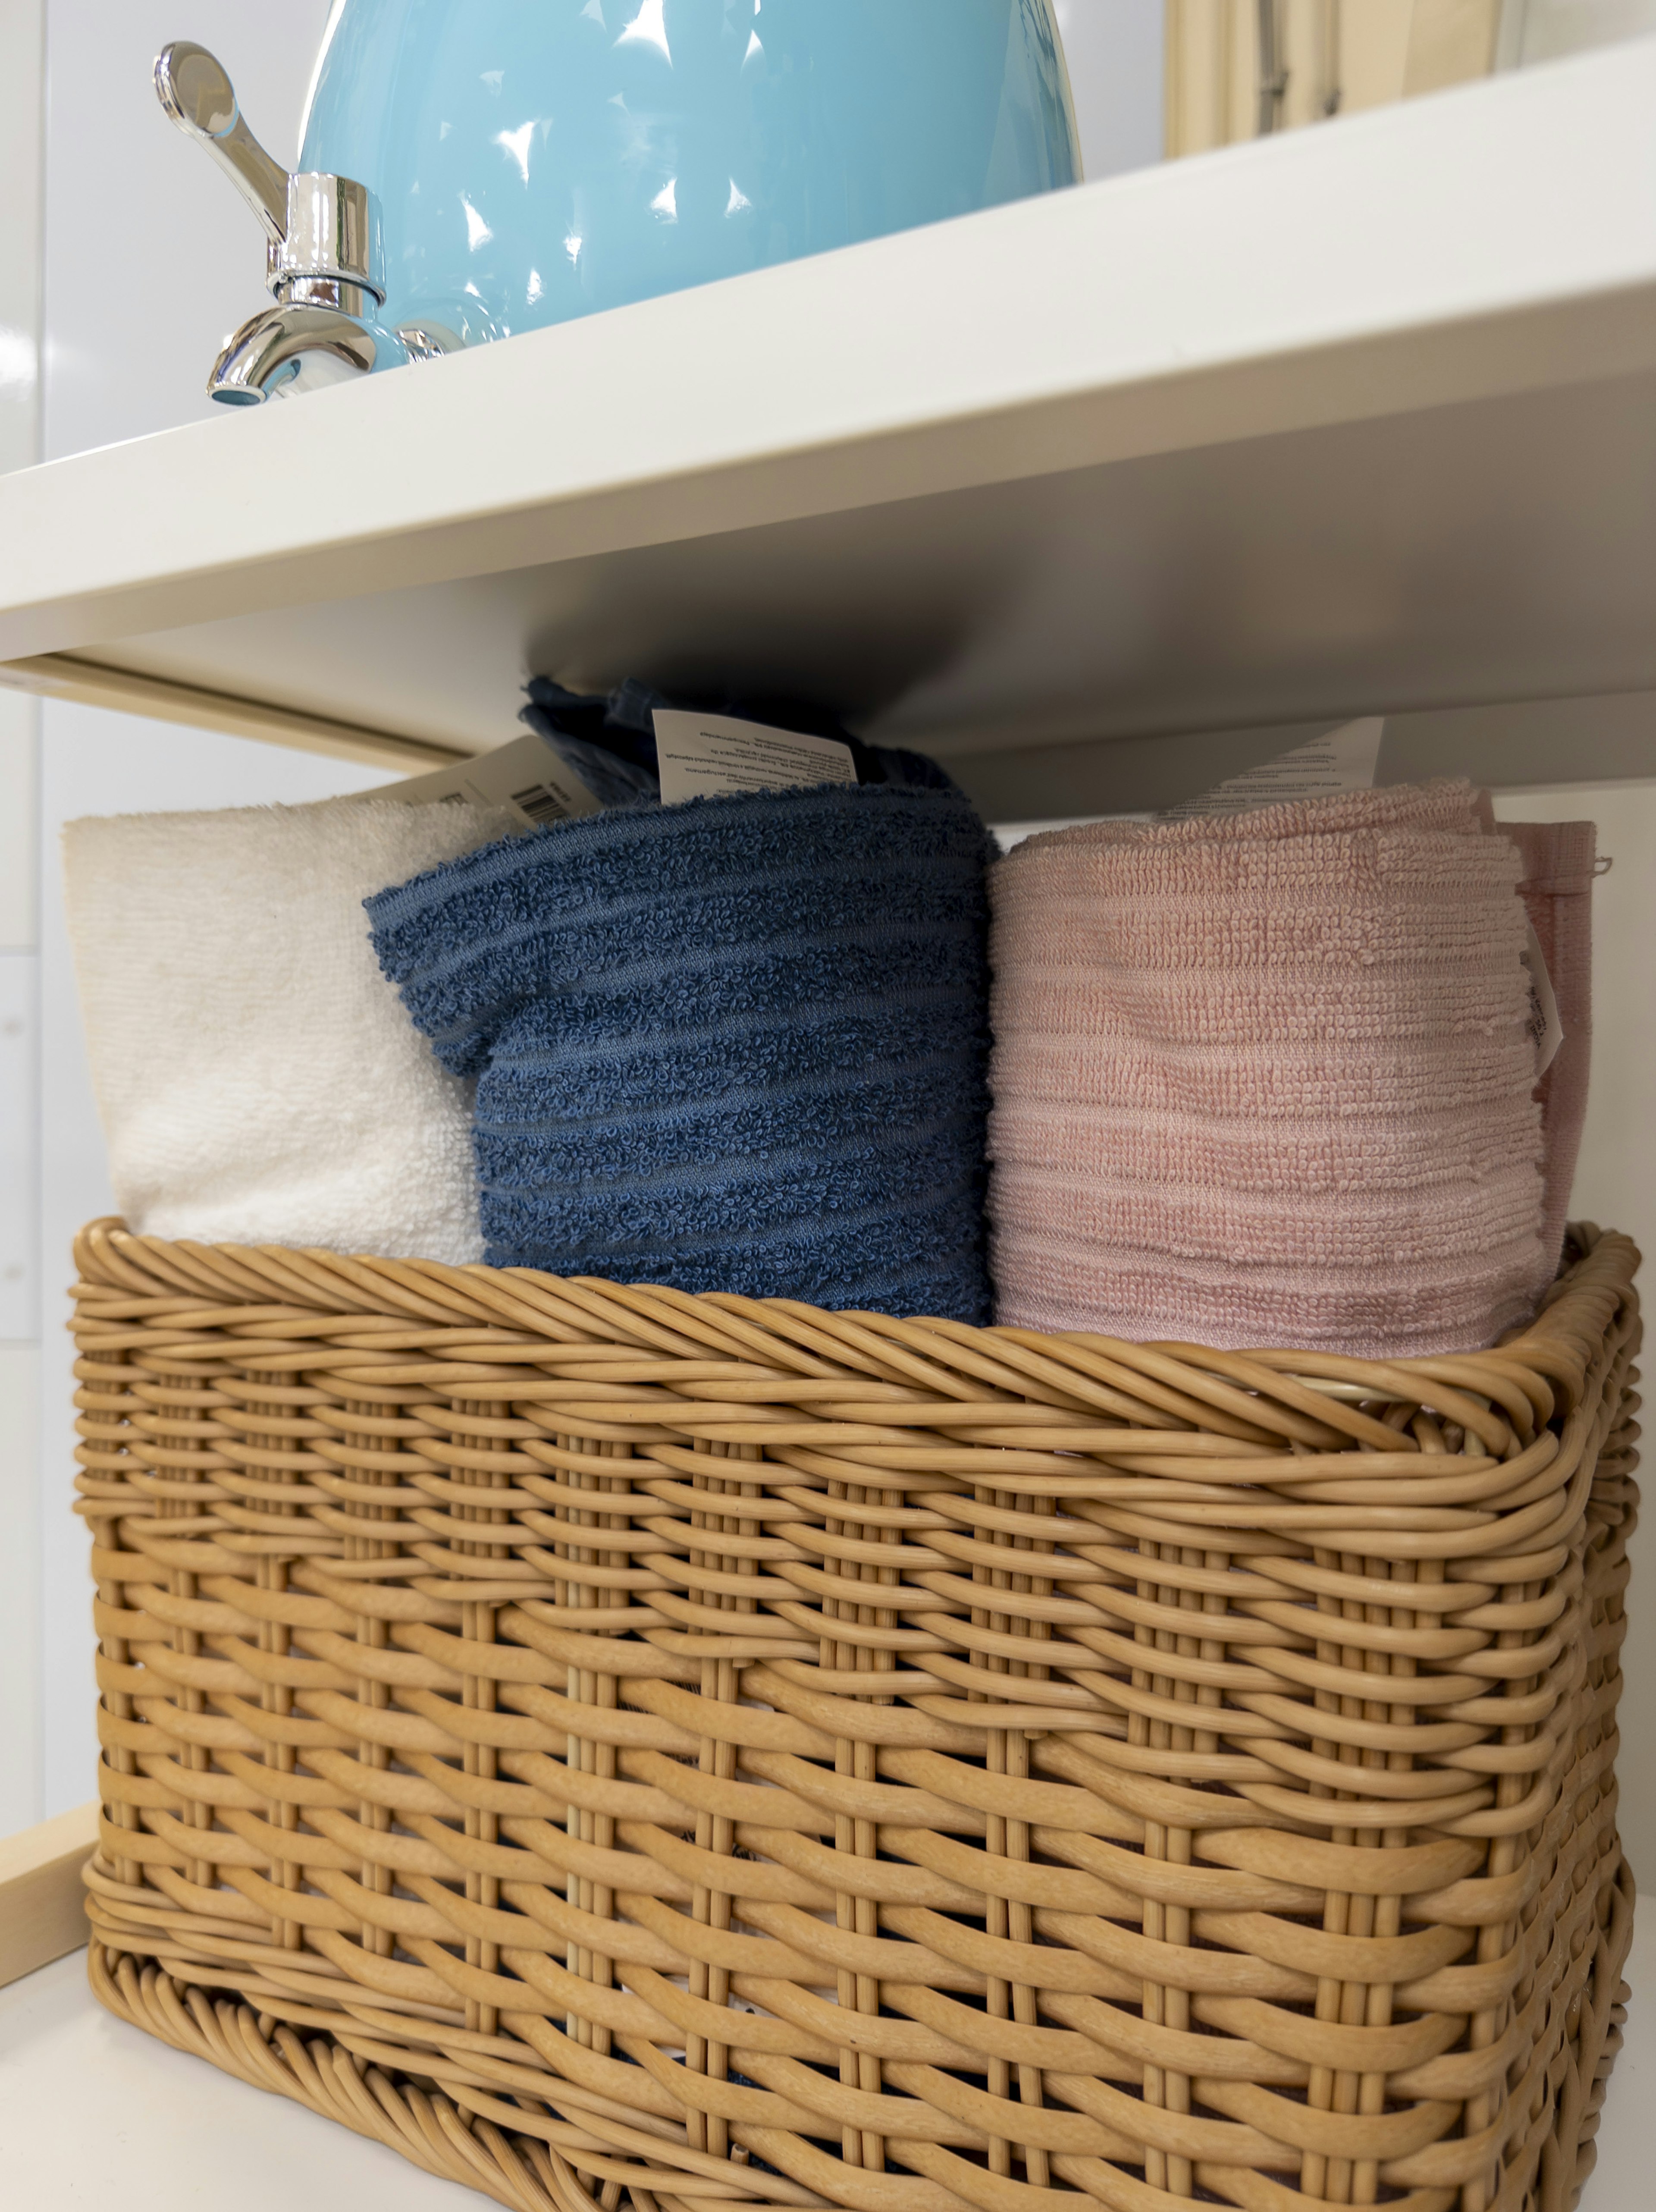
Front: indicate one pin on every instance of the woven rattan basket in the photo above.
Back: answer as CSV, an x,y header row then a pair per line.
x,y
599,1740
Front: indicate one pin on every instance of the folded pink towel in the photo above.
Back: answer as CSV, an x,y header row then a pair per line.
x,y
1266,1079
1559,860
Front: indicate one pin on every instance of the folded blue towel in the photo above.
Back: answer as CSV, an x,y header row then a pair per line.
x,y
735,1045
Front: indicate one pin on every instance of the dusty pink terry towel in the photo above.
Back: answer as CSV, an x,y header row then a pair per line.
x,y
1559,860
1266,1078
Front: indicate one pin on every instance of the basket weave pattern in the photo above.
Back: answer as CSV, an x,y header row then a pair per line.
x,y
599,1740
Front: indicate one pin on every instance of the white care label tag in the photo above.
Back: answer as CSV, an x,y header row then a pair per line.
x,y
1342,760
709,755
527,775
1544,1025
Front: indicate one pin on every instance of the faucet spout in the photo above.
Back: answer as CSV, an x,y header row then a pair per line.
x,y
292,347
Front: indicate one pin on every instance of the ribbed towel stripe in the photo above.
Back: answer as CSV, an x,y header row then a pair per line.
x,y
739,1045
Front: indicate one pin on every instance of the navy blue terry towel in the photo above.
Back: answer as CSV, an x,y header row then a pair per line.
x,y
739,1044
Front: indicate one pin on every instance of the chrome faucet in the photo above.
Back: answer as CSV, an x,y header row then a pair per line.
x,y
323,258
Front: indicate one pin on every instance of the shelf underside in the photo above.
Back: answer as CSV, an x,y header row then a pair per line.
x,y
1359,421
1426,561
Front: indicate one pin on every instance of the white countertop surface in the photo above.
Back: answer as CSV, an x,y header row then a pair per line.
x,y
94,2113
91,2112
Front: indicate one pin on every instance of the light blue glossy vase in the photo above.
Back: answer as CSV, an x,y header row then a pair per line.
x,y
539,160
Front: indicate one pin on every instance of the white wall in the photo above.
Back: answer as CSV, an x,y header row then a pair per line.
x,y
1541,30
21,24
151,257
1114,50
146,261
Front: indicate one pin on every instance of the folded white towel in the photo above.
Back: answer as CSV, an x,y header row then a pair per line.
x,y
258,1080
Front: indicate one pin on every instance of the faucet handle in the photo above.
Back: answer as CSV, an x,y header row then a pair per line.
x,y
318,229
195,91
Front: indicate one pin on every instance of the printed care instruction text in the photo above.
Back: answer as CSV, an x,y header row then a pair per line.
x,y
709,755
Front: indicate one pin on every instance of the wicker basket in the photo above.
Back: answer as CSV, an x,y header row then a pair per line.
x,y
598,1739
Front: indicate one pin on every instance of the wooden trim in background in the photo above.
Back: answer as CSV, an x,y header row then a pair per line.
x,y
1338,57
42,1902
93,683
1450,42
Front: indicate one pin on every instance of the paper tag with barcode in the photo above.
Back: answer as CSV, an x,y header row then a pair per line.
x,y
710,755
527,775
1544,1025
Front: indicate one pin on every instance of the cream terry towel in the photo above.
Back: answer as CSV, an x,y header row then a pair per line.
x,y
258,1080
1266,1079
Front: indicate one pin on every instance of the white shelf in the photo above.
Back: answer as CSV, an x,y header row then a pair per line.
x,y
1360,419
91,2112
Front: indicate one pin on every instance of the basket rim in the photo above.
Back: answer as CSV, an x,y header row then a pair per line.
x,y
126,1276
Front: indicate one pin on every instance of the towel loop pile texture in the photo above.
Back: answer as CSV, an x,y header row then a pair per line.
x,y
736,1045
1266,1079
1559,860
258,1081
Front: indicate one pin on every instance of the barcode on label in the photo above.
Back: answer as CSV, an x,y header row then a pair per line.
x,y
528,775
539,805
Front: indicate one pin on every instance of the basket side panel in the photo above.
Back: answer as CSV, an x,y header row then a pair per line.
x,y
603,1741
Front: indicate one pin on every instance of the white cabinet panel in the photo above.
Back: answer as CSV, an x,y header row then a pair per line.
x,y
19,1152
